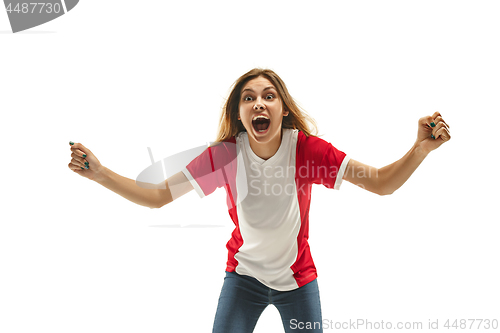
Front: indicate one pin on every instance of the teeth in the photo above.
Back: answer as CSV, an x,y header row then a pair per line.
x,y
260,116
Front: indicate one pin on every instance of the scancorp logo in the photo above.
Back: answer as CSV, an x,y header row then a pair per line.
x,y
25,15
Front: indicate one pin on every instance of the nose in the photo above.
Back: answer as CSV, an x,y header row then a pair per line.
x,y
258,105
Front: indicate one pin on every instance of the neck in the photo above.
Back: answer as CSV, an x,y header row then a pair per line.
x,y
266,150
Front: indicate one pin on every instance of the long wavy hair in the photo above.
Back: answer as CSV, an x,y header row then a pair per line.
x,y
297,118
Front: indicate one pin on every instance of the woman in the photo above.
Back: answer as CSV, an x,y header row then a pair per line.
x,y
267,158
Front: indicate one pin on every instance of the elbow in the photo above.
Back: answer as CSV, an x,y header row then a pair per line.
x,y
155,206
385,193
161,204
383,190
385,187
162,198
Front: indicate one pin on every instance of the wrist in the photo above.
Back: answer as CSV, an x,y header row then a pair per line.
x,y
101,174
419,151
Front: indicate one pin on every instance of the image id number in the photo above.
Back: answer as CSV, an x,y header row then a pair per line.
x,y
471,323
34,7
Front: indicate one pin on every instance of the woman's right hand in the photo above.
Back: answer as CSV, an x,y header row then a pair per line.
x,y
83,162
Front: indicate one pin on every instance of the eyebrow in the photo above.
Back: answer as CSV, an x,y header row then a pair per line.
x,y
267,88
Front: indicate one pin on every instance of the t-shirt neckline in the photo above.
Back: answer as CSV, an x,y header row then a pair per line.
x,y
284,140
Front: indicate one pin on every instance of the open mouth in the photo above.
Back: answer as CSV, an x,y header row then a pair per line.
x,y
261,123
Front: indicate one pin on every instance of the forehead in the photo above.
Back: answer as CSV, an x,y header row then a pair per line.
x,y
258,82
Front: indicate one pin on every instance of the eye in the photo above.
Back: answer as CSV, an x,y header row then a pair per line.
x,y
270,95
247,98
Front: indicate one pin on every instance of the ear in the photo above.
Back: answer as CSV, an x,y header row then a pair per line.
x,y
285,113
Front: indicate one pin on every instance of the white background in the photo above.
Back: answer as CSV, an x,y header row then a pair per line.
x,y
121,76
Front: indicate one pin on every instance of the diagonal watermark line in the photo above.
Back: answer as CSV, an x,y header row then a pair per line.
x,y
151,155
63,3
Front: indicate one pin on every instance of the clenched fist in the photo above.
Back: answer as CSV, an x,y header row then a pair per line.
x,y
433,131
83,162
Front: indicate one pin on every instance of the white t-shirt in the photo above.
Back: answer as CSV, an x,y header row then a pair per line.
x,y
268,201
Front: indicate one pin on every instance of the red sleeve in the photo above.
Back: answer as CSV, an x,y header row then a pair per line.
x,y
320,162
209,170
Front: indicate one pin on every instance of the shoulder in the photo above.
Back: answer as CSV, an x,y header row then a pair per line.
x,y
319,152
223,145
224,150
311,143
315,148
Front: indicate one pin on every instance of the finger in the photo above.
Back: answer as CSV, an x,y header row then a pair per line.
x,y
79,153
75,167
436,114
72,146
82,161
81,147
438,127
77,162
443,133
426,122
440,119
435,128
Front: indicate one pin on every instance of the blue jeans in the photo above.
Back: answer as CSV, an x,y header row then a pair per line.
x,y
243,298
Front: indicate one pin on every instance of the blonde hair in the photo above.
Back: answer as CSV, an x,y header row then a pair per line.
x,y
229,125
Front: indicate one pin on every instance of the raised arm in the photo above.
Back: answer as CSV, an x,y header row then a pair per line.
x,y
86,164
432,133
385,180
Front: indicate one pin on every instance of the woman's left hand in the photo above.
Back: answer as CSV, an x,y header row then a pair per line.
x,y
433,131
